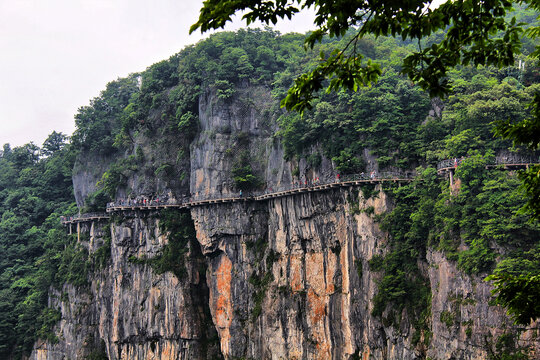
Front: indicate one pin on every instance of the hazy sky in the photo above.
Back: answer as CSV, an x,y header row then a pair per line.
x,y
56,55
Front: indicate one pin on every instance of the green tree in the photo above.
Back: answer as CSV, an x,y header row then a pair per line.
x,y
54,142
519,294
34,191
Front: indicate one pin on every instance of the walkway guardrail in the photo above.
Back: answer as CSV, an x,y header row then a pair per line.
x,y
284,189
83,217
505,160
269,192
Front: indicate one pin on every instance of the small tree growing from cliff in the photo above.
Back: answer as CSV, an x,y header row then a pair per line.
x,y
243,174
244,178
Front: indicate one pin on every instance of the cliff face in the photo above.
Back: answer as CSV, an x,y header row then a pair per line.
x,y
284,277
464,324
287,278
130,312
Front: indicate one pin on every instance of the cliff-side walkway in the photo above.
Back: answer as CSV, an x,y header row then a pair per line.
x,y
448,166
84,217
507,162
127,205
297,188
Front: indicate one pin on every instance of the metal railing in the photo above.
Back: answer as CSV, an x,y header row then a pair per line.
x,y
508,159
306,185
83,217
284,189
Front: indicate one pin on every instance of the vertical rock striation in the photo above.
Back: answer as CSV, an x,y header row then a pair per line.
x,y
287,278
137,313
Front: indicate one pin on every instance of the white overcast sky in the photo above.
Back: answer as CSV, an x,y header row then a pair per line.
x,y
56,55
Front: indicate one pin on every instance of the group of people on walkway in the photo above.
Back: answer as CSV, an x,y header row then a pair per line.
x,y
142,201
306,183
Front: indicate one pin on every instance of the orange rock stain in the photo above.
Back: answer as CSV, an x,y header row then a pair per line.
x,y
317,306
297,282
317,301
223,305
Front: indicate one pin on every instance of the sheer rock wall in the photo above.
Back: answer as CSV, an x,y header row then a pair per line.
x,y
287,278
137,313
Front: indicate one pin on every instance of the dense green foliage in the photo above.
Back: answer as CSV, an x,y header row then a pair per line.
x,y
519,294
470,225
493,38
37,253
96,124
35,189
403,286
390,118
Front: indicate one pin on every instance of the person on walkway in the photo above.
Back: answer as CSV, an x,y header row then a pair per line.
x,y
240,193
337,177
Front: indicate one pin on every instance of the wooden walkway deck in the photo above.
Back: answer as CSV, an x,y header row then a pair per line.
x,y
262,197
114,208
66,220
444,167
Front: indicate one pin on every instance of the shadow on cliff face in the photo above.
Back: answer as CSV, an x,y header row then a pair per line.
x,y
200,293
183,256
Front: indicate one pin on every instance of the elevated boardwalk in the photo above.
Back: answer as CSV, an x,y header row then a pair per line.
x,y
66,220
129,205
156,205
506,162
445,167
